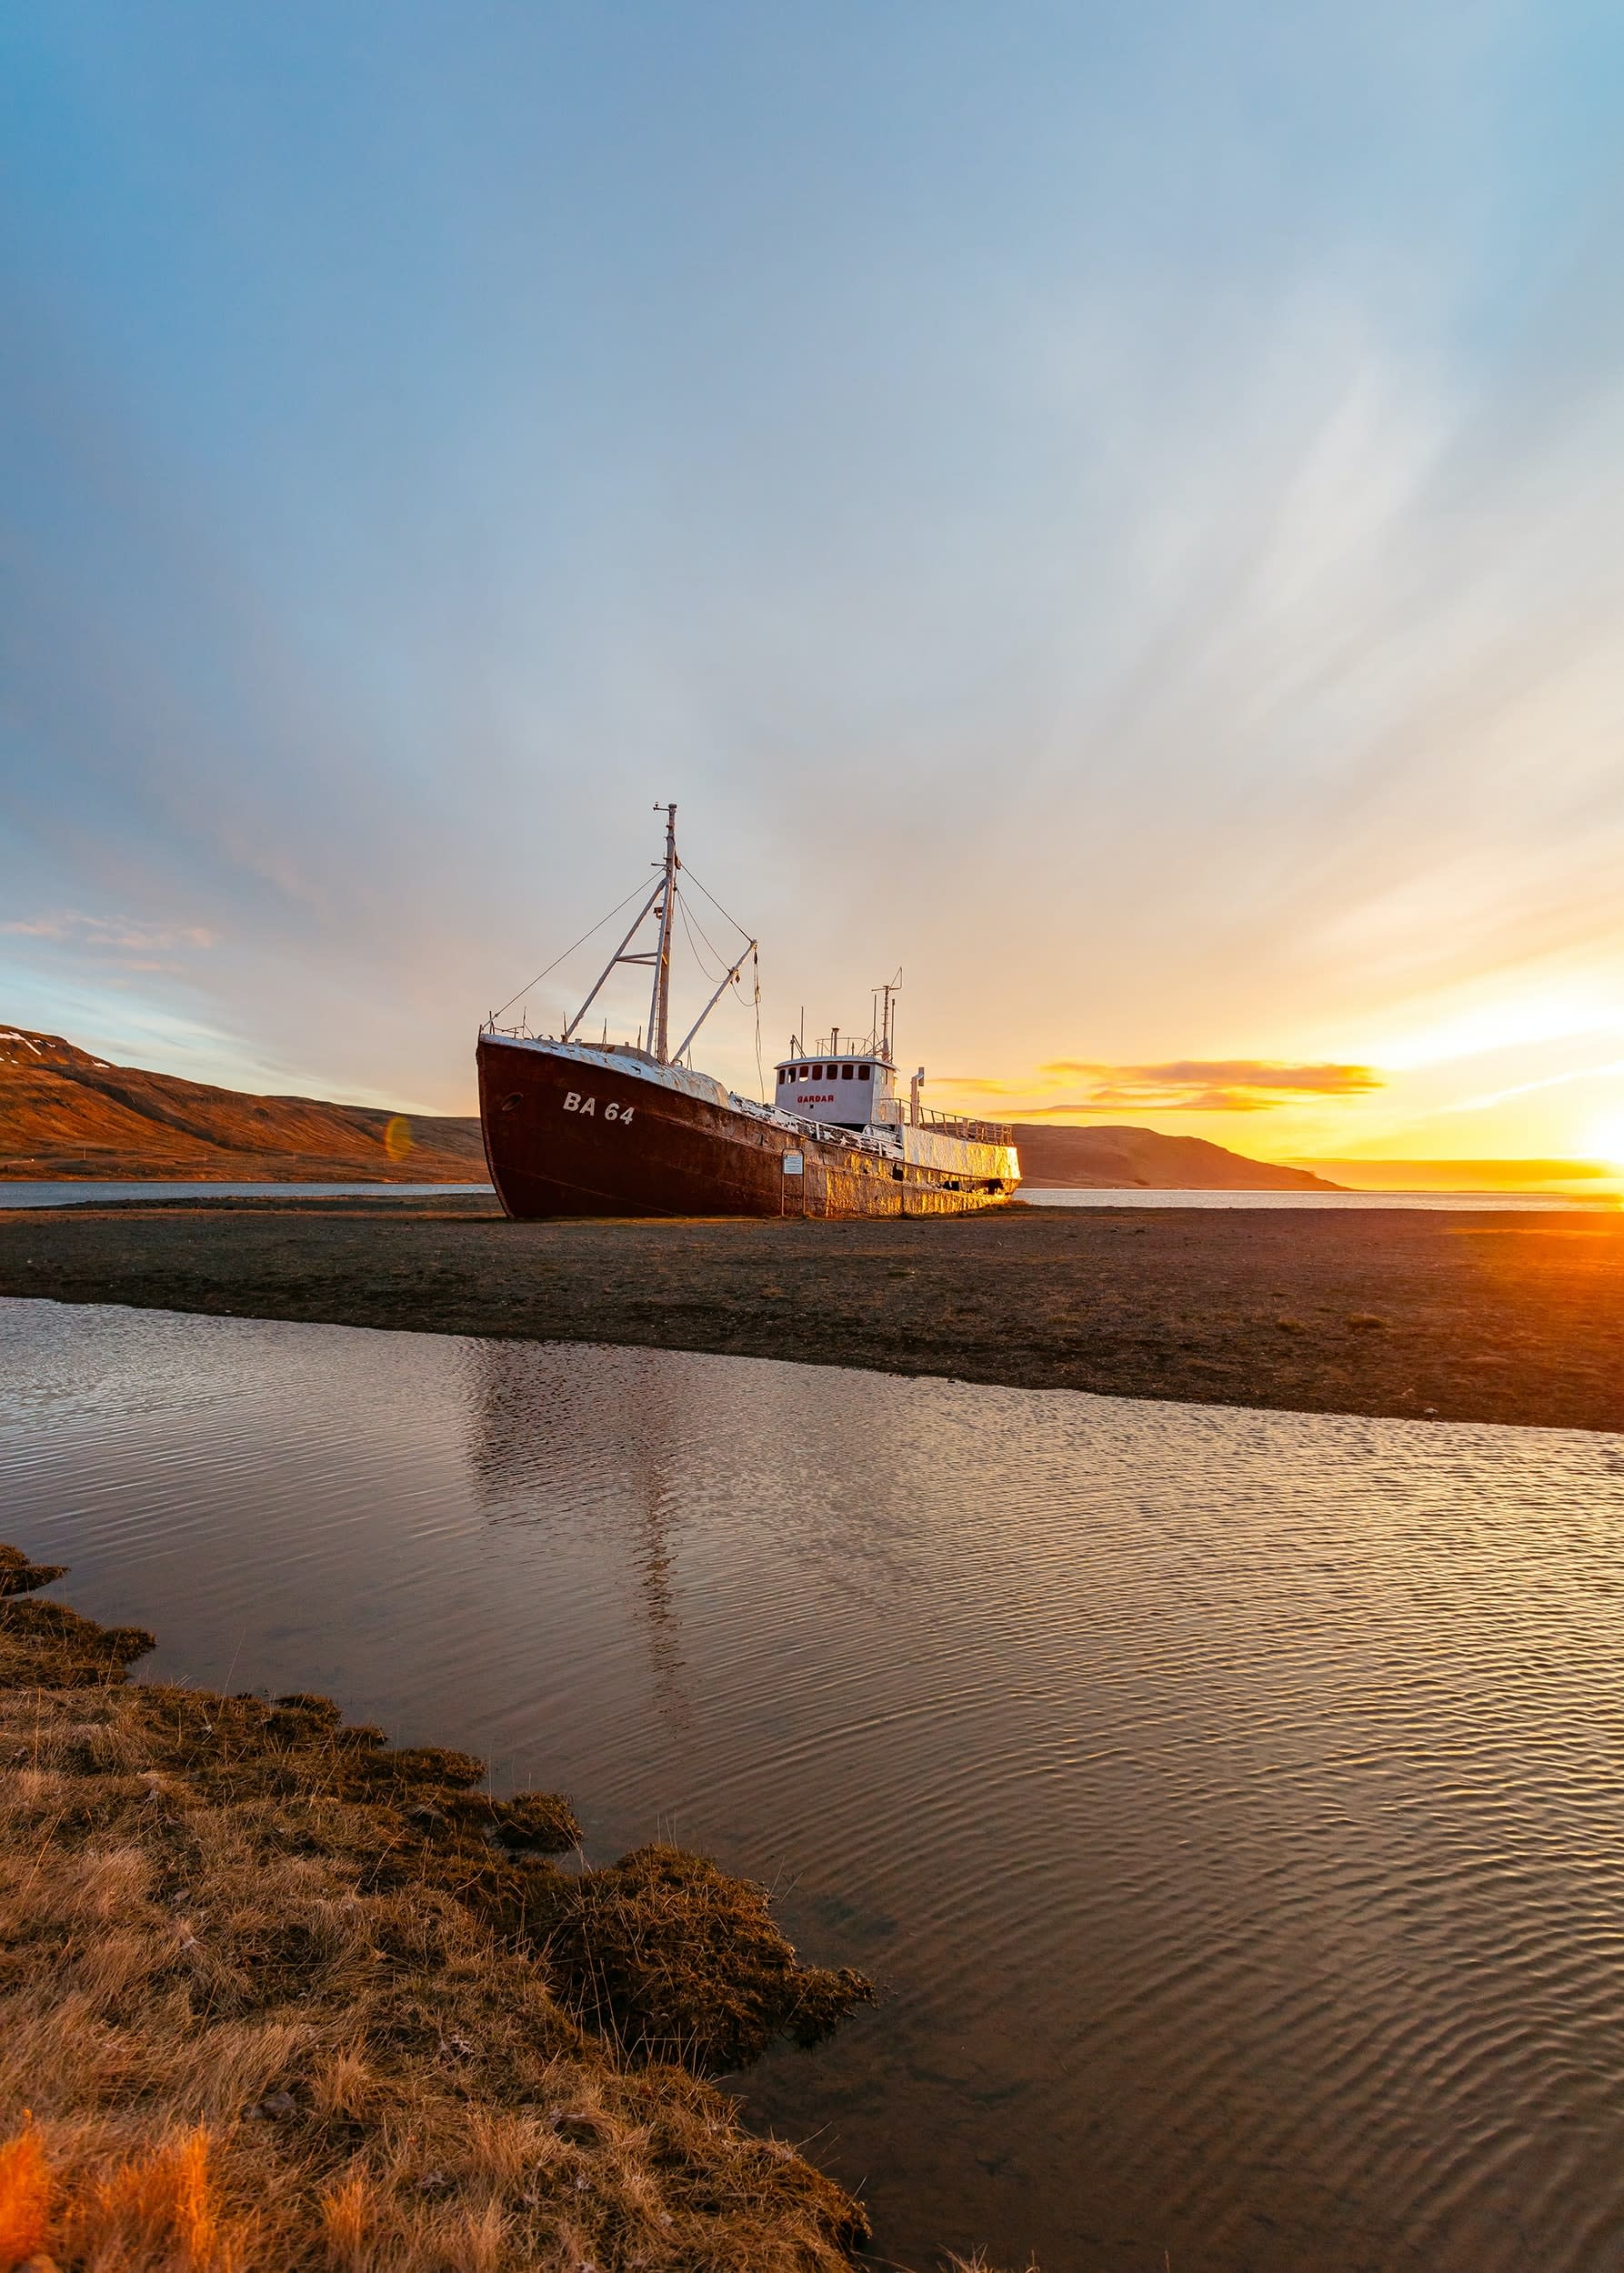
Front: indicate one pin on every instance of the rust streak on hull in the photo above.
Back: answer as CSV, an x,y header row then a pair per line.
x,y
647,1149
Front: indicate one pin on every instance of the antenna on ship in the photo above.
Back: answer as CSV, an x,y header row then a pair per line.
x,y
892,987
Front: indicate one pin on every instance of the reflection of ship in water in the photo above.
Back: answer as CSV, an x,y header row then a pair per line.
x,y
529,1410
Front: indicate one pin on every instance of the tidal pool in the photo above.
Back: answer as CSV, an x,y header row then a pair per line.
x,y
1230,1803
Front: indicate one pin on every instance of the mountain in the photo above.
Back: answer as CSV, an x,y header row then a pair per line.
x,y
1123,1158
65,1114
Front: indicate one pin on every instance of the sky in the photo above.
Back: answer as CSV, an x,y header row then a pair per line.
x,y
1116,512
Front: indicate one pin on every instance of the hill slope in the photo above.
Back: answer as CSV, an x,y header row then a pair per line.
x,y
1113,1156
65,1114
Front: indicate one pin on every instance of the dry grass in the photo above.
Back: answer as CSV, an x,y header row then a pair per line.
x,y
275,1997
683,1962
28,2194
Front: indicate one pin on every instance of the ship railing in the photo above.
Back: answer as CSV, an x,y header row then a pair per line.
x,y
852,1138
845,1045
902,1112
826,1132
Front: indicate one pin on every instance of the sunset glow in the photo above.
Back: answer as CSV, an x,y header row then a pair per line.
x,y
1160,583
1606,1140
812,1122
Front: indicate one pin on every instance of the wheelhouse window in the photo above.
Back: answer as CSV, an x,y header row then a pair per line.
x,y
849,1073
806,1073
864,1072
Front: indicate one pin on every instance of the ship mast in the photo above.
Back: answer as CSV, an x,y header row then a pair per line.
x,y
661,903
659,1002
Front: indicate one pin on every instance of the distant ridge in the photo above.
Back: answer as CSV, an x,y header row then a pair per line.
x,y
1110,1158
65,1114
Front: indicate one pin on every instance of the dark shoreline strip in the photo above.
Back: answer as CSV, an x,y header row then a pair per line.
x,y
1494,1317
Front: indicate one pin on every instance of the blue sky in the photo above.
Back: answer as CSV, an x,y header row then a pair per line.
x,y
1116,510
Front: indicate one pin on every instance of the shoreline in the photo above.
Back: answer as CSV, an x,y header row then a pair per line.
x,y
280,1993
1503,1317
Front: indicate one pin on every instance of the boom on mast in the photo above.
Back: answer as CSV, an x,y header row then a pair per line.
x,y
661,902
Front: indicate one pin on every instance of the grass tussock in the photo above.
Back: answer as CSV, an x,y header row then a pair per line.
x,y
685,1963
276,1996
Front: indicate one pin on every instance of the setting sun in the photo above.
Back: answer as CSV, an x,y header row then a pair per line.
x,y
1605,1139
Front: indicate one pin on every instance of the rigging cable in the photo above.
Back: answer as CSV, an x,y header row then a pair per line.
x,y
755,963
579,943
693,945
737,969
716,904
704,935
733,974
760,1070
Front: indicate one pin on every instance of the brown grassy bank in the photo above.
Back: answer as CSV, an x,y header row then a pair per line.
x,y
274,1995
66,1113
1485,1317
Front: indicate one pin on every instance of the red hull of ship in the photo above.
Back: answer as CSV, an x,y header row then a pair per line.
x,y
646,1150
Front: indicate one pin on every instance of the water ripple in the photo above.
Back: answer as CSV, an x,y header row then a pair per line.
x,y
1229,1801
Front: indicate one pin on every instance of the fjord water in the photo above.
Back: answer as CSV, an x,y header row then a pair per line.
x,y
100,1194
1230,1803
1322,1203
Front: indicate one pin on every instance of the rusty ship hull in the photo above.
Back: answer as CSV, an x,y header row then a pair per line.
x,y
575,1131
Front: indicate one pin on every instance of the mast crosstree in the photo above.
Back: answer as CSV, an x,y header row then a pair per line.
x,y
661,903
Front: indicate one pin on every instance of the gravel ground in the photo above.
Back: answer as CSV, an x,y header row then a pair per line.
x,y
1510,1318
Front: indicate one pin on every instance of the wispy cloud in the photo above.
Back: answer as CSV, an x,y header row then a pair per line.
x,y
114,935
1193,616
1528,1088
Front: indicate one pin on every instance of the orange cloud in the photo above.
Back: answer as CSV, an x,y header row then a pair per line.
x,y
1185,1084
972,1086
1224,1074
1138,1101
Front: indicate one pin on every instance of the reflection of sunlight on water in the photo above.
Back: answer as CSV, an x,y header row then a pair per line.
x,y
90,1193
1592,1196
1227,1799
